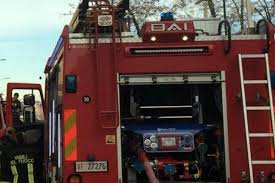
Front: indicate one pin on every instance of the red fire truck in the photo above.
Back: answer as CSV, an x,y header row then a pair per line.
x,y
185,101
22,134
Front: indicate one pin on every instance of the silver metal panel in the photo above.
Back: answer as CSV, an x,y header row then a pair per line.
x,y
104,40
209,25
188,78
78,38
82,35
225,127
234,37
118,135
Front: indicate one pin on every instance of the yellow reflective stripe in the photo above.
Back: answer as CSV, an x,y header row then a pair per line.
x,y
14,173
30,173
70,135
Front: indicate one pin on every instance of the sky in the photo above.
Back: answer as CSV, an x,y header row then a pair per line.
x,y
29,31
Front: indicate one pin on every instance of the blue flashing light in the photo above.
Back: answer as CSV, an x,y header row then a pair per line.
x,y
167,16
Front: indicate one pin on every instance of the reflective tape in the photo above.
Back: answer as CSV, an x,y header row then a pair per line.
x,y
30,173
70,135
14,173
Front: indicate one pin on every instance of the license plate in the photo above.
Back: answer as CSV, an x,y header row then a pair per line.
x,y
91,166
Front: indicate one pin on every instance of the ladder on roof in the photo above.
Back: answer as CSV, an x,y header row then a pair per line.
x,y
269,107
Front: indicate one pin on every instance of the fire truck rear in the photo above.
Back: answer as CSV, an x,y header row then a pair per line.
x,y
185,101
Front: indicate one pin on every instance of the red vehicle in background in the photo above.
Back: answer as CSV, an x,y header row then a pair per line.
x,y
179,103
22,133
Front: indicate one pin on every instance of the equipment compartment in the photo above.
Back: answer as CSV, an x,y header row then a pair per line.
x,y
172,132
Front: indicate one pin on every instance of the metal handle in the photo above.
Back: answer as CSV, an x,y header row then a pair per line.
x,y
227,28
267,44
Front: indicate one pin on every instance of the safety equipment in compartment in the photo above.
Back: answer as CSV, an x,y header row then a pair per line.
x,y
174,151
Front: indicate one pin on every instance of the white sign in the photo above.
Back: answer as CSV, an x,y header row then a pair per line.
x,y
91,166
163,27
105,20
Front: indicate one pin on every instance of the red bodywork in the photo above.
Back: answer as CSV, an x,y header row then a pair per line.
x,y
96,71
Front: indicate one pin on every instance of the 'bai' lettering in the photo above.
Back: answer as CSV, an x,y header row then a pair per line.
x,y
160,27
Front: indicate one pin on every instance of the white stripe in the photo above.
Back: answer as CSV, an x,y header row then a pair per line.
x,y
50,134
53,126
59,140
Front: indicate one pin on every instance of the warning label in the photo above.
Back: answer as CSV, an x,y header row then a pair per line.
x,y
110,139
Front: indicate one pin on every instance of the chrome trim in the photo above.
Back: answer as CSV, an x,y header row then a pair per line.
x,y
79,38
184,78
225,127
118,133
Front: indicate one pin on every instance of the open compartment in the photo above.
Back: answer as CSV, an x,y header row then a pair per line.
x,y
172,128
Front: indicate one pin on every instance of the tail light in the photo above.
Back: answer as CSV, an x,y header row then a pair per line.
x,y
74,178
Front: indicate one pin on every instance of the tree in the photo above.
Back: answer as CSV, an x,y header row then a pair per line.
x,y
239,9
236,11
265,8
211,7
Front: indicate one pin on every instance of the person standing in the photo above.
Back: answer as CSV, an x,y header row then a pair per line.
x,y
16,109
16,104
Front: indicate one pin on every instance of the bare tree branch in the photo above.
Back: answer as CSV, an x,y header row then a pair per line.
x,y
240,12
211,7
260,13
267,10
237,7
